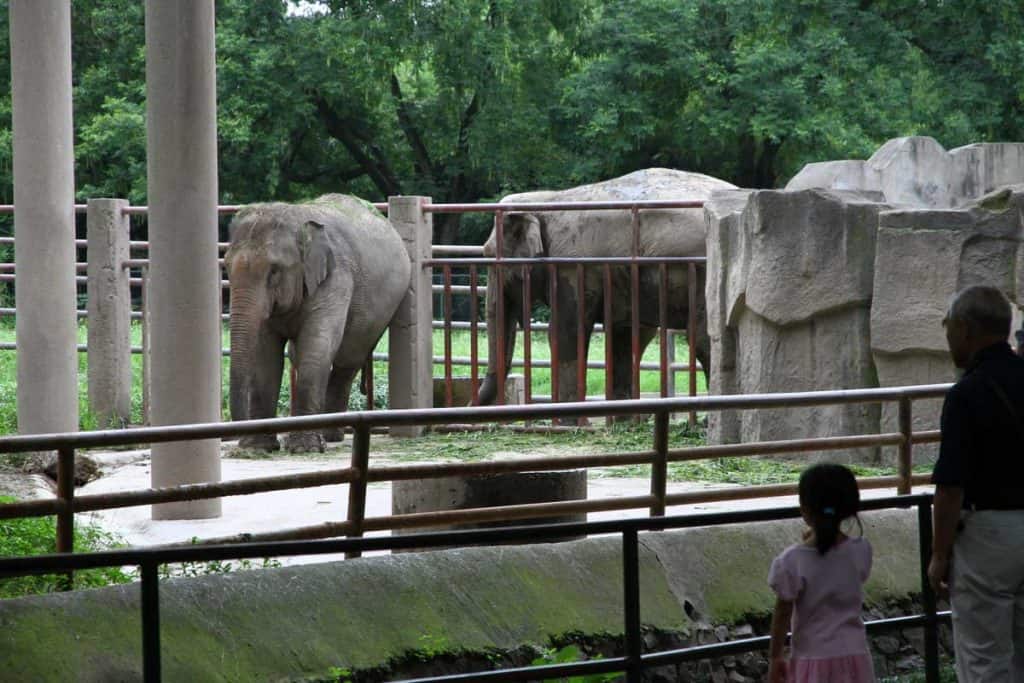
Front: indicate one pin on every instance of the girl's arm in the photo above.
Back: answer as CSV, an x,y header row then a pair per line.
x,y
781,618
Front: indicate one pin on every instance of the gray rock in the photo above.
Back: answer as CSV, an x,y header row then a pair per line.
x,y
26,486
842,281
887,645
918,171
46,463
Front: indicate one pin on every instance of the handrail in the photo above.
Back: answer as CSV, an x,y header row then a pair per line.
x,y
472,415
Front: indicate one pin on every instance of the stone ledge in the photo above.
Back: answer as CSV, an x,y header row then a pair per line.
x,y
300,621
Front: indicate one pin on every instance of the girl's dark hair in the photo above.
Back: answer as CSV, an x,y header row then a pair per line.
x,y
830,493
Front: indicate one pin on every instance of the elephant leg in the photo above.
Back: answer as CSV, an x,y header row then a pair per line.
x,y
315,348
339,386
568,331
265,389
622,359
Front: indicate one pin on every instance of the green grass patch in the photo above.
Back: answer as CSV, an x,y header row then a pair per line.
x,y
38,536
461,347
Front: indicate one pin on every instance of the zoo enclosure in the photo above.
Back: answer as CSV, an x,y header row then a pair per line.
x,y
100,218
632,663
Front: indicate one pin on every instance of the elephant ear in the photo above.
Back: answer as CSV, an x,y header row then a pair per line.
x,y
523,235
317,259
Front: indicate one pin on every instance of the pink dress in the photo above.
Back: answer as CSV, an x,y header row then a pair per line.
x,y
829,644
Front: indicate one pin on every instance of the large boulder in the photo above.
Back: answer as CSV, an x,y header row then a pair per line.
x,y
789,294
924,257
918,171
842,279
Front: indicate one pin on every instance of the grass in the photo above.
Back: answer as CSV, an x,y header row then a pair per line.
x,y
621,437
38,536
541,377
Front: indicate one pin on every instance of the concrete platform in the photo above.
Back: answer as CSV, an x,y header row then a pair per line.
x,y
124,471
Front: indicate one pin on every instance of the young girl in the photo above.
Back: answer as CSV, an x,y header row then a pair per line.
x,y
819,588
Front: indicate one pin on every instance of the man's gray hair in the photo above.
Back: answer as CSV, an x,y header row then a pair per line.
x,y
985,310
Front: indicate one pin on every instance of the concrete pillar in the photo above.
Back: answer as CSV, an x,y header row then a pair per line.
x,y
184,296
44,220
410,336
110,352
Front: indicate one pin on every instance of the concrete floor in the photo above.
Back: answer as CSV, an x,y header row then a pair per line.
x,y
125,471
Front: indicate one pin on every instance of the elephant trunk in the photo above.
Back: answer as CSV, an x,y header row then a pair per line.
x,y
243,331
510,316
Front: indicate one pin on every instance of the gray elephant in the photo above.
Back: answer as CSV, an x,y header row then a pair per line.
x,y
326,275
663,232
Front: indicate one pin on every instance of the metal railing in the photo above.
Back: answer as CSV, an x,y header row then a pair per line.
x,y
634,660
634,262
470,257
358,474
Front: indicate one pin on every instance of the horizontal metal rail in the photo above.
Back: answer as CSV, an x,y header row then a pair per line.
x,y
484,207
474,415
566,261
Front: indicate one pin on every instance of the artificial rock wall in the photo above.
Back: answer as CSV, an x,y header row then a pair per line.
x,y
841,280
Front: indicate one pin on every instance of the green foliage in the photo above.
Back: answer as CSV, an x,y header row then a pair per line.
x,y
193,569
38,536
571,654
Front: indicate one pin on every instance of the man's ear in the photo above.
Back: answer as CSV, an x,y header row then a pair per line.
x,y
317,259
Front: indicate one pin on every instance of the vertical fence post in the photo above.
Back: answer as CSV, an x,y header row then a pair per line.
x,y
498,273
357,489
66,513
906,446
691,333
631,603
659,468
671,360
109,306
150,622
145,344
931,634
410,335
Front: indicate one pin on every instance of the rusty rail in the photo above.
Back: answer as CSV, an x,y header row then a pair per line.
x,y
360,473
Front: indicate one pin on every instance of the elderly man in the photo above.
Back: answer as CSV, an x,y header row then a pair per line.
x,y
978,552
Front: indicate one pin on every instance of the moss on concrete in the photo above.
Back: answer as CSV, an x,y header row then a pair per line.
x,y
295,622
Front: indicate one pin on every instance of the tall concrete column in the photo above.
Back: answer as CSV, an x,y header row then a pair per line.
x,y
110,351
184,297
44,219
410,336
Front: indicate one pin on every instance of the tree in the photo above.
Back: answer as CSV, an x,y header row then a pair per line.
x,y
750,91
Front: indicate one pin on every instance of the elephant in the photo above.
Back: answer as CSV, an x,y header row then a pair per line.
x,y
326,276
606,233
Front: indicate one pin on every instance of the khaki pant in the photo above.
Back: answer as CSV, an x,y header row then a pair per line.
x,y
987,596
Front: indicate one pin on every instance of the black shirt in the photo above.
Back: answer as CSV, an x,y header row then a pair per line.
x,y
982,444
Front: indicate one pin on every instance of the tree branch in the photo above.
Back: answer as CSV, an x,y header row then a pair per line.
x,y
421,157
377,168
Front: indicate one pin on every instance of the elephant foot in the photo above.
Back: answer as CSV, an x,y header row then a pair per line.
x,y
336,435
259,442
303,442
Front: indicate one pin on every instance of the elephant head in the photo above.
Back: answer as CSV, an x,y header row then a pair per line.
x,y
523,236
273,266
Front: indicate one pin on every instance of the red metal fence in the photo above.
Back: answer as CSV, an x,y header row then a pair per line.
x,y
459,257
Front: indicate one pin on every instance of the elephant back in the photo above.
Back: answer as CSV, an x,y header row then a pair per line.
x,y
663,232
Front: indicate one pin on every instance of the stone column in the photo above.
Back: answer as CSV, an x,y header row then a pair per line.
x,y
44,220
410,336
184,297
110,353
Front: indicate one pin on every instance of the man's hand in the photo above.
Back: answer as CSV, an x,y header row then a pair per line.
x,y
938,575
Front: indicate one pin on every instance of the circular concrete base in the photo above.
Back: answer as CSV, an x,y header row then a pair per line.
x,y
492,490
